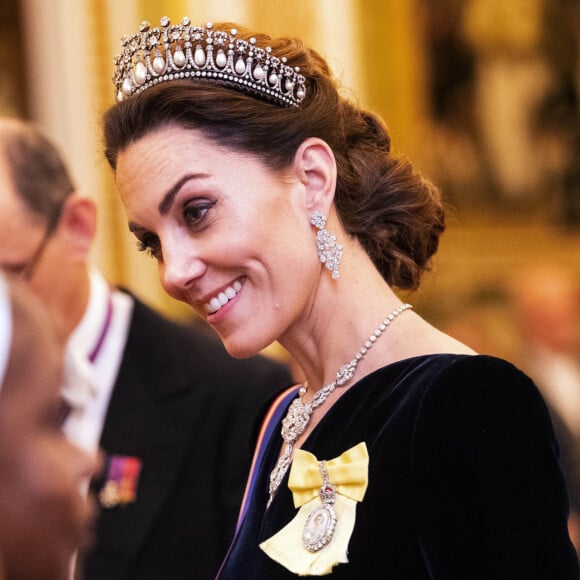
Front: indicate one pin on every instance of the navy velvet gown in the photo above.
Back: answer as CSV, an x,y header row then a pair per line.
x,y
464,481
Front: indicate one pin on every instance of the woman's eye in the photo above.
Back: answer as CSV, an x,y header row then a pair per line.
x,y
150,244
195,212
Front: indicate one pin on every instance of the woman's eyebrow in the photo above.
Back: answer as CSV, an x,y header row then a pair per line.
x,y
167,201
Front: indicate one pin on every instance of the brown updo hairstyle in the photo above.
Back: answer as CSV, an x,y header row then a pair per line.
x,y
394,212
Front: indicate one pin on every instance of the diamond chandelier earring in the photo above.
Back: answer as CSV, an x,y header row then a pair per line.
x,y
329,252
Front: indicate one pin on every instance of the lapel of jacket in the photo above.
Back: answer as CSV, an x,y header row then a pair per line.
x,y
141,424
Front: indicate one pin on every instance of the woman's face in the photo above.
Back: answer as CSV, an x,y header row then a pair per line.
x,y
44,516
231,237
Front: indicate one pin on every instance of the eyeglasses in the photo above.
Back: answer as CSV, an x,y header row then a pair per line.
x,y
27,271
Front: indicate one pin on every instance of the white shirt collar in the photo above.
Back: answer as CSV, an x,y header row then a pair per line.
x,y
87,333
79,385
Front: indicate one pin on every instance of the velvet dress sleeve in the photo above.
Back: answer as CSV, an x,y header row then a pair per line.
x,y
490,495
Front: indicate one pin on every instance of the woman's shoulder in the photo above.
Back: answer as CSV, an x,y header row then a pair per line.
x,y
454,381
478,371
459,366
453,367
478,391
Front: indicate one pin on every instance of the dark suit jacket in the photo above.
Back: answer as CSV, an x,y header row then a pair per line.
x,y
185,408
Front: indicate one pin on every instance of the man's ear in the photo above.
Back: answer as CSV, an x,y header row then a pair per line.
x,y
315,166
77,223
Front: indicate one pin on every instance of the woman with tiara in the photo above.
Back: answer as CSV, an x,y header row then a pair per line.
x,y
274,206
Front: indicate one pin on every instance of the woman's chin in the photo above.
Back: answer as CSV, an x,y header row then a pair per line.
x,y
242,348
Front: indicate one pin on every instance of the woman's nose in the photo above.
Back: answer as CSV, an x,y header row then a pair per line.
x,y
180,267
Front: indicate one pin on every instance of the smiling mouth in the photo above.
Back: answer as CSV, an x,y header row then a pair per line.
x,y
223,297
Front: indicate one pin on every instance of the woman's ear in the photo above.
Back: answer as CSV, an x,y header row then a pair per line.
x,y
315,167
78,224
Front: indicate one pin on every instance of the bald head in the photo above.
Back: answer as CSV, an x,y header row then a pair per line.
x,y
35,167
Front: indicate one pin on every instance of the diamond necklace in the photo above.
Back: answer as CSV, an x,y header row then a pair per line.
x,y
299,413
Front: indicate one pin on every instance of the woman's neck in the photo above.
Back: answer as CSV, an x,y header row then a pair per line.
x,y
336,328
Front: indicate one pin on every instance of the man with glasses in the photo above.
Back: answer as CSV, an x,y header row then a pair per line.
x,y
170,408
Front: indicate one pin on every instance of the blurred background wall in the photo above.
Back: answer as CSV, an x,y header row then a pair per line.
x,y
482,94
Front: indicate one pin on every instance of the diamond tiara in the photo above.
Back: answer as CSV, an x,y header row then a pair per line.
x,y
182,51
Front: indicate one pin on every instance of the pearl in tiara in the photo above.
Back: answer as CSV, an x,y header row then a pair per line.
x,y
181,51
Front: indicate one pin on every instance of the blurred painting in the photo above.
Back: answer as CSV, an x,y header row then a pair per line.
x,y
504,104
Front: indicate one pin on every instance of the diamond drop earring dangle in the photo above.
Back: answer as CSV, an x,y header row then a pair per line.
x,y
329,252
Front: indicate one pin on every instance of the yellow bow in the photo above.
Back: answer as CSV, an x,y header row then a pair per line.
x,y
348,473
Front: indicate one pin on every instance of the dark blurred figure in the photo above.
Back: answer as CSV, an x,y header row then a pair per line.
x,y
454,151
558,115
452,63
546,306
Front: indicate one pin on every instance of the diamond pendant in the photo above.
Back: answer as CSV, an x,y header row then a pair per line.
x,y
296,420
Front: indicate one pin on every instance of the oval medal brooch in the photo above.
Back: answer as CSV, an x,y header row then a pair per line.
x,y
321,522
